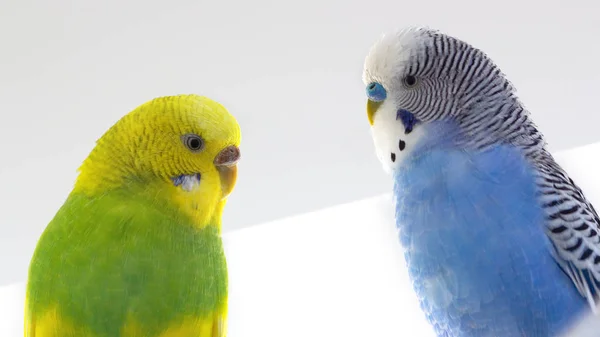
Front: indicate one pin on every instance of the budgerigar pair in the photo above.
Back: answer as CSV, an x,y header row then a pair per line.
x,y
499,241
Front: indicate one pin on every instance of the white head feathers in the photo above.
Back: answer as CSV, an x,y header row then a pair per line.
x,y
391,53
385,65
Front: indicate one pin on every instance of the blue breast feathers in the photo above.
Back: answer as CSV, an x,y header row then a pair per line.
x,y
476,250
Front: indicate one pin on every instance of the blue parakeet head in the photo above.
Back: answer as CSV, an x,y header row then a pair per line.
x,y
418,76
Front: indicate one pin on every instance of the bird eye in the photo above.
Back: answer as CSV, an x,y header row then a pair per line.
x,y
193,142
410,81
376,92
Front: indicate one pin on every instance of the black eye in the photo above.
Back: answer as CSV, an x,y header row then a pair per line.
x,y
410,81
193,142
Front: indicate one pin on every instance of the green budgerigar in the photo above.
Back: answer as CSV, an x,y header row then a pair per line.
x,y
136,249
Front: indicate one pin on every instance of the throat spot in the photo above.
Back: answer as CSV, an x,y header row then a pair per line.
x,y
401,147
188,182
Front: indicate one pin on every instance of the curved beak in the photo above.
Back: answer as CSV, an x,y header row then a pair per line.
x,y
372,107
226,164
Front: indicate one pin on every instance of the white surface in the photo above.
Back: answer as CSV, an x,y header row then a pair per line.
x,y
335,272
12,309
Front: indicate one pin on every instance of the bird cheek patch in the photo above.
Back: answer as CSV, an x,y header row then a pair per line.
x,y
408,120
187,181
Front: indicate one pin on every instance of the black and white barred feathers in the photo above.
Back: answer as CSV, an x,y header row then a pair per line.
x,y
458,81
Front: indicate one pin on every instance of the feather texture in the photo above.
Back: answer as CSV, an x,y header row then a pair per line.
x,y
473,232
125,269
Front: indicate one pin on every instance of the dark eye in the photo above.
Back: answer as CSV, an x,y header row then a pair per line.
x,y
410,81
193,142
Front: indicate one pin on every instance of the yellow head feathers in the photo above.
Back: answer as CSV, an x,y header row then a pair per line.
x,y
177,148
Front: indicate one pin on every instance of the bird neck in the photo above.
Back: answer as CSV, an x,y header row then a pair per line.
x,y
114,166
499,119
197,206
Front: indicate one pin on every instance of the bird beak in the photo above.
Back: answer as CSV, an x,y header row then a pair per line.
x,y
226,164
372,109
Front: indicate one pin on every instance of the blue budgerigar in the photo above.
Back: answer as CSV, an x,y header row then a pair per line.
x,y
498,240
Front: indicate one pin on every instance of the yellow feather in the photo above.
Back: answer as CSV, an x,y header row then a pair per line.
x,y
213,326
51,324
144,149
